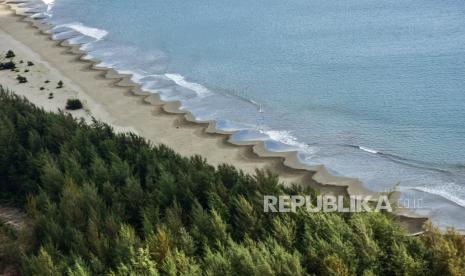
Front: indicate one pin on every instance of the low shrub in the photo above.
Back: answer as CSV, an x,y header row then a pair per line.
x,y
73,104
10,54
9,65
21,79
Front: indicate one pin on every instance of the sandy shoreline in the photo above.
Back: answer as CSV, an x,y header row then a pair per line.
x,y
116,100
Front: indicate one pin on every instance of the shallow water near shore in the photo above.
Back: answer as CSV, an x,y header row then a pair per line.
x,y
372,90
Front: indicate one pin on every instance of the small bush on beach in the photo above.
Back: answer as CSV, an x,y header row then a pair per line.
x,y
9,65
26,71
60,84
21,79
30,63
41,88
10,54
47,81
73,104
50,96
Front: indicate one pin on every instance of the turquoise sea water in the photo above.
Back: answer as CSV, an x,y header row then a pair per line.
x,y
371,89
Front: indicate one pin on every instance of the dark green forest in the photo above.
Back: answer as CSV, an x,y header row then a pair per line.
x,y
101,203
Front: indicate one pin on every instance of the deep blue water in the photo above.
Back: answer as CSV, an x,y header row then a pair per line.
x,y
371,89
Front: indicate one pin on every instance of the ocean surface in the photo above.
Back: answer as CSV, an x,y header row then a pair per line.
x,y
371,89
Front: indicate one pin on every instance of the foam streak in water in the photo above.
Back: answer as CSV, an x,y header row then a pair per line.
x,y
49,4
444,192
287,138
201,90
368,150
98,34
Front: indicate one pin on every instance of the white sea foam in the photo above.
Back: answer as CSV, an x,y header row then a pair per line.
x,y
96,33
368,150
447,191
201,90
49,4
259,107
136,75
287,138
64,35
